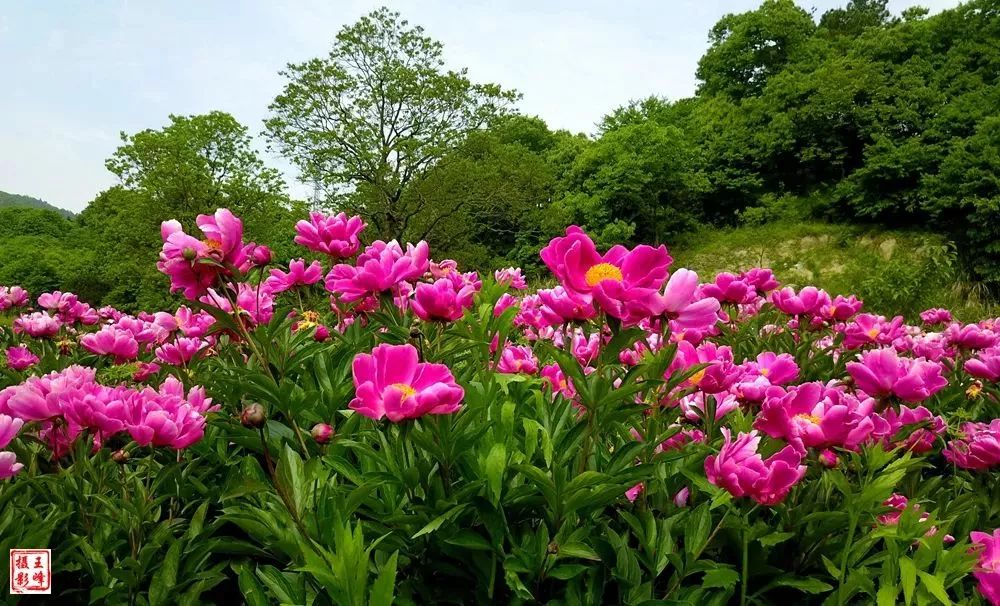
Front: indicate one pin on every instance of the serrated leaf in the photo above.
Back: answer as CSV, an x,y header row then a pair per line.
x,y
384,586
935,587
720,577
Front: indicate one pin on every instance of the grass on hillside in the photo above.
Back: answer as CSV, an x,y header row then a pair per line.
x,y
894,272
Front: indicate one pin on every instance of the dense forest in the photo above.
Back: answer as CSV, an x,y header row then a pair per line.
x,y
854,116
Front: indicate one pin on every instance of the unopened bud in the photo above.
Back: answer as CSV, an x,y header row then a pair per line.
x,y
415,332
322,433
253,416
120,457
189,254
553,548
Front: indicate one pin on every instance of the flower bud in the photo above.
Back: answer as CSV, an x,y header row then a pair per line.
x,y
322,433
253,416
261,255
120,457
415,332
322,333
189,254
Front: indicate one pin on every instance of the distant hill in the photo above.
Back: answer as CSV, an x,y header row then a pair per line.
x,y
27,201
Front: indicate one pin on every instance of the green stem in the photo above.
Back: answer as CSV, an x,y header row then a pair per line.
x,y
744,577
845,556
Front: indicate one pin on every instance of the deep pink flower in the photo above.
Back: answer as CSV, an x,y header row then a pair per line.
x,y
334,235
811,416
298,274
194,265
193,324
841,308
512,277
181,351
443,269
622,282
890,424
441,301
144,370
978,448
778,369
9,465
554,378
110,341
987,571
223,237
717,376
391,382
970,336
935,316
9,426
379,268
585,349
517,359
740,470
869,329
810,300
38,325
881,372
986,365
255,303
20,358
505,302
729,288
566,305
13,296
760,278
680,303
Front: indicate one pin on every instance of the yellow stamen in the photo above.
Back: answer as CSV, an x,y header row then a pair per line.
x,y
310,316
697,377
765,371
873,333
602,271
811,418
213,245
405,389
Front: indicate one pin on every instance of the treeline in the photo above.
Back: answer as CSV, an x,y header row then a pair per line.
x,y
853,116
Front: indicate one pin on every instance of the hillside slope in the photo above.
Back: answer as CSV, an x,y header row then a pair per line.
x,y
892,271
7,199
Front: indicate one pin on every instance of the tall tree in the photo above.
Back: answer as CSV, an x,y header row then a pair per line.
x,y
374,115
746,49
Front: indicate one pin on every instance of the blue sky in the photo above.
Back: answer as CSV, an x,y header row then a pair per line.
x,y
77,72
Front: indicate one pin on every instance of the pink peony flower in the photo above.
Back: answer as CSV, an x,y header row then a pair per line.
x,y
180,351
334,235
868,329
517,359
680,303
882,372
729,288
9,426
810,416
563,305
987,572
740,470
890,425
391,382
986,365
298,274
809,301
622,282
935,316
39,325
145,370
441,301
9,465
194,265
379,268
841,308
778,369
512,277
113,342
20,358
978,448
970,336
554,378
13,296
760,278
443,269
719,374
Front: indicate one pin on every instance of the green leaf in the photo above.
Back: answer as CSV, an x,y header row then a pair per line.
x,y
720,577
698,527
908,576
806,584
165,579
576,549
887,595
384,586
441,519
935,587
290,478
775,538
495,465
252,590
564,572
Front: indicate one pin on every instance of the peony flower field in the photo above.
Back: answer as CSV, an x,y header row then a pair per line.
x,y
368,425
